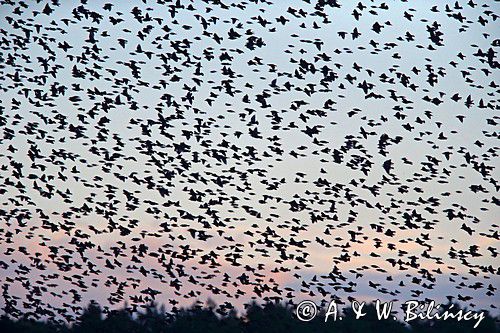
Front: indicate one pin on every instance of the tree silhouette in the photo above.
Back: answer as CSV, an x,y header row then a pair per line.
x,y
369,322
91,319
270,317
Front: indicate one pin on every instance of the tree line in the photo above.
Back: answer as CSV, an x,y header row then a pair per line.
x,y
270,317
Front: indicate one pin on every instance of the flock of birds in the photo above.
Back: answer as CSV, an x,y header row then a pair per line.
x,y
247,151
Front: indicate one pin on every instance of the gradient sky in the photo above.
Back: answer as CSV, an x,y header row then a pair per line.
x,y
247,180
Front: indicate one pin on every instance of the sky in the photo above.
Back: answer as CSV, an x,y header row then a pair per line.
x,y
93,182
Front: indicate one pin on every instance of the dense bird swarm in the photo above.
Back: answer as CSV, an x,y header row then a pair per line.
x,y
271,151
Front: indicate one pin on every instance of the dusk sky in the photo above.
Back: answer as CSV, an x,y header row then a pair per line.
x,y
245,151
